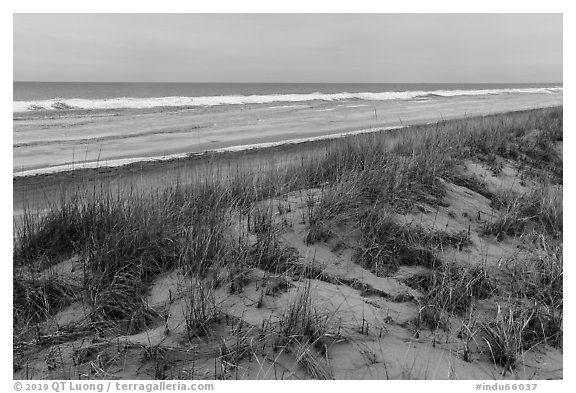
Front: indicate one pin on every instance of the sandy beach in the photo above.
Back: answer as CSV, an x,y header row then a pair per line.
x,y
159,141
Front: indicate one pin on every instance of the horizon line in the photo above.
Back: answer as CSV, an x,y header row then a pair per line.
x,y
287,83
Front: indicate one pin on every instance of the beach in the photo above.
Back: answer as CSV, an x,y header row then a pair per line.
x,y
200,197
344,214
155,147
56,140
371,256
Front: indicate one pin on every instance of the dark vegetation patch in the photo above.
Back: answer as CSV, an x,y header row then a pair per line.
x,y
453,288
304,325
386,245
540,277
269,254
201,311
36,298
538,210
473,184
517,329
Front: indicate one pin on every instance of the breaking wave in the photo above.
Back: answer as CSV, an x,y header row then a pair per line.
x,y
58,104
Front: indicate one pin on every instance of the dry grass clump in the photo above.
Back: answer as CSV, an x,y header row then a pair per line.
x,y
120,302
538,210
504,336
451,289
537,281
386,244
267,252
404,182
516,330
201,310
305,332
400,183
399,172
150,239
540,276
57,233
303,323
271,255
35,298
338,203
454,287
546,326
535,313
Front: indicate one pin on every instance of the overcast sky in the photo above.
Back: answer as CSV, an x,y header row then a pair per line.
x,y
288,47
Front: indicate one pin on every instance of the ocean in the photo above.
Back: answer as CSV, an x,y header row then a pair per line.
x,y
37,96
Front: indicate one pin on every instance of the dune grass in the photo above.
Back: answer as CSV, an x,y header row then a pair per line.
x,y
386,245
539,210
222,221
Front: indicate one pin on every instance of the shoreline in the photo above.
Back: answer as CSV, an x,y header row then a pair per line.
x,y
122,162
127,162
36,192
59,142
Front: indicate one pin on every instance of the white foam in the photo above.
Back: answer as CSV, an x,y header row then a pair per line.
x,y
154,102
126,161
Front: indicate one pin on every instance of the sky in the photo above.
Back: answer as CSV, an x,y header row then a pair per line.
x,y
314,48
